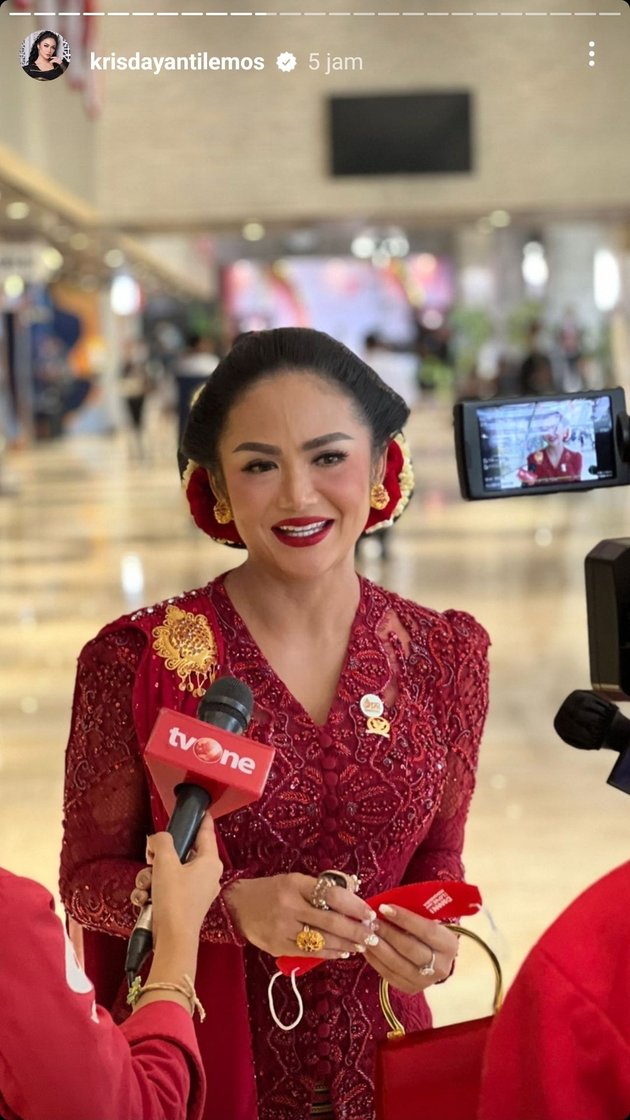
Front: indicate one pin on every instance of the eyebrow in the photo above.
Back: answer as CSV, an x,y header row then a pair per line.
x,y
310,445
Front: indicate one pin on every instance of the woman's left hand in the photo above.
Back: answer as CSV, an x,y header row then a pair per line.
x,y
406,945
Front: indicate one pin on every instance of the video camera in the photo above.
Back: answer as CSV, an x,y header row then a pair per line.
x,y
551,444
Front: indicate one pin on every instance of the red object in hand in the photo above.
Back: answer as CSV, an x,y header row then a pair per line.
x,y
442,900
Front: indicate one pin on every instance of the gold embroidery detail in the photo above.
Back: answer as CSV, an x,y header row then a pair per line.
x,y
188,646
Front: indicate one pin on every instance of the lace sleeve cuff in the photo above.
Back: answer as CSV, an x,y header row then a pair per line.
x,y
219,924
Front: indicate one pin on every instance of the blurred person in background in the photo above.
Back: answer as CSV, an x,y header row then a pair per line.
x,y
134,385
192,369
61,1056
536,375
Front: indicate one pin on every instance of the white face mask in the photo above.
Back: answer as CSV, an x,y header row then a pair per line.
x,y
296,1021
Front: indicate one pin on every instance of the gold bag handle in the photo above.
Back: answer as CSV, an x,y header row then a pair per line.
x,y
397,1029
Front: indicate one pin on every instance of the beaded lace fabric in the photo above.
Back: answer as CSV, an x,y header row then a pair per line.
x,y
388,809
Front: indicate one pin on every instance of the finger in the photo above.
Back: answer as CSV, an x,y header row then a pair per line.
x,y
343,901
139,898
403,983
144,877
334,948
418,952
160,846
348,931
439,937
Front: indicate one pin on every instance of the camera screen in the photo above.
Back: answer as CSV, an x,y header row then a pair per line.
x,y
546,442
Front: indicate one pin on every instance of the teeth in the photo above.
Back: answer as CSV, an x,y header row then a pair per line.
x,y
302,531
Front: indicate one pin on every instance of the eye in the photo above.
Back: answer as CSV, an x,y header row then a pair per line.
x,y
259,466
331,458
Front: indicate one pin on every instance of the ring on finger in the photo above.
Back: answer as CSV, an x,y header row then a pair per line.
x,y
310,940
318,897
428,969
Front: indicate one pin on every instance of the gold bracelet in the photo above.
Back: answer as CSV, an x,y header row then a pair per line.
x,y
137,990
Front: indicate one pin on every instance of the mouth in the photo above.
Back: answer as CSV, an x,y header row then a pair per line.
x,y
297,531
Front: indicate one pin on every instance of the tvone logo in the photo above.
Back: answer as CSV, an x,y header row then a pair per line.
x,y
209,750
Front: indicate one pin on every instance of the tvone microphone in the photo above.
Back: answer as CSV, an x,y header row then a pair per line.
x,y
192,770
589,722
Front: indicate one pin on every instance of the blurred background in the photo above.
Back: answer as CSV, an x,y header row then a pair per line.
x,y
448,193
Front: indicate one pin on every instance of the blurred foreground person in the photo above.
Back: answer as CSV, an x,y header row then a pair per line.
x,y
560,1046
61,1056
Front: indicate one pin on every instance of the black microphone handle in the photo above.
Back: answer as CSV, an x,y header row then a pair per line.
x,y
190,806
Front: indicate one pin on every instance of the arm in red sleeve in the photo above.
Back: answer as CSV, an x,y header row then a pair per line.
x,y
61,1056
462,705
107,811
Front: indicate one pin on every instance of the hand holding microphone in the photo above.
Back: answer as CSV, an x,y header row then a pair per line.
x,y
192,770
180,893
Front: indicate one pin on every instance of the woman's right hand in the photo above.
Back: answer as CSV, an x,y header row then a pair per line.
x,y
181,893
271,912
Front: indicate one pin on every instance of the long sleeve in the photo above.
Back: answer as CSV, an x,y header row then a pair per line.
x,y
107,810
462,704
61,1056
107,813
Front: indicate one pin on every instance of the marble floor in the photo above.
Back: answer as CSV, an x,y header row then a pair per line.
x,y
87,532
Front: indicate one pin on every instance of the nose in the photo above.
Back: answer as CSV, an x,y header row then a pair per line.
x,y
297,492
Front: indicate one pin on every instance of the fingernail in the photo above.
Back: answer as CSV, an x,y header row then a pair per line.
x,y
371,939
360,948
388,911
370,915
343,956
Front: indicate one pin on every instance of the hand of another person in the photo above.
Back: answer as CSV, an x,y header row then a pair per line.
x,y
271,912
408,943
181,893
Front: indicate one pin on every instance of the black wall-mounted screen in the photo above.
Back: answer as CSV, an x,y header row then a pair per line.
x,y
401,134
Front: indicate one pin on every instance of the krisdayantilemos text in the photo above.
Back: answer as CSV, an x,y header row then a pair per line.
x,y
200,60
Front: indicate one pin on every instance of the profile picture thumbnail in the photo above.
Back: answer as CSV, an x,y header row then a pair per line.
x,y
45,55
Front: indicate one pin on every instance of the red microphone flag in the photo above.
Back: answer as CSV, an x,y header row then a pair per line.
x,y
232,768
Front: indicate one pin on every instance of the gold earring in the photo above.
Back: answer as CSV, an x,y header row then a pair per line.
x,y
379,497
223,512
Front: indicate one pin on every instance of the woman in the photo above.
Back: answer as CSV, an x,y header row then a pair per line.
x,y
44,62
374,706
150,1068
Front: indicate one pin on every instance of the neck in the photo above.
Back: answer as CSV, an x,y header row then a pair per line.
x,y
555,454
314,606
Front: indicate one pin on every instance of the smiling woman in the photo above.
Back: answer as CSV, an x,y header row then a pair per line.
x,y
46,59
374,706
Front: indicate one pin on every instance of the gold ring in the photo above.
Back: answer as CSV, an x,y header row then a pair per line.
x,y
310,940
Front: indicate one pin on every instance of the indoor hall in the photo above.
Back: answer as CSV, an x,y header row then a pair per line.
x,y
241,237
89,533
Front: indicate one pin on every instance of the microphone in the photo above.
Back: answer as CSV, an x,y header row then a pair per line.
x,y
192,770
589,722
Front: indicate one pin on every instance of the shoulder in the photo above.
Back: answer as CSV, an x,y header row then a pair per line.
x,y
602,909
16,891
195,602
423,621
183,624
